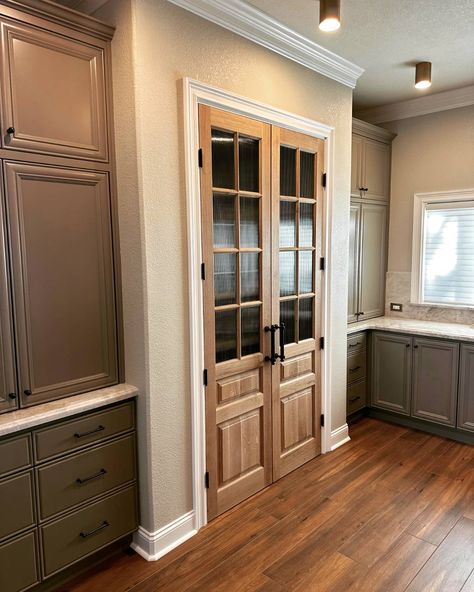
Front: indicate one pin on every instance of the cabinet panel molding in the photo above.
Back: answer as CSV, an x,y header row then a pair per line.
x,y
466,389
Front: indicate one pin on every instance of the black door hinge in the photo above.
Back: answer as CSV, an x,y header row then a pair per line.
x,y
322,263
322,420
204,377
206,479
324,179
203,271
200,158
321,343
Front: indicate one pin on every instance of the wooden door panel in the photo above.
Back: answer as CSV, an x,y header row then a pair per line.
x,y
297,194
53,93
7,369
63,285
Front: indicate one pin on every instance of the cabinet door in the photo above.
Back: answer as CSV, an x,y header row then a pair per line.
x,y
466,389
53,91
376,169
391,372
353,294
63,284
435,380
372,261
356,166
8,400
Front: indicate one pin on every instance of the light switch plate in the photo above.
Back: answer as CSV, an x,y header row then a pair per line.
x,y
396,307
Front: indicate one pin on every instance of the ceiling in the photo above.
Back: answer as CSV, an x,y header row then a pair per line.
x,y
387,37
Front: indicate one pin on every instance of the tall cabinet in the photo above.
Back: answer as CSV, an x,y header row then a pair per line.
x,y
370,195
59,271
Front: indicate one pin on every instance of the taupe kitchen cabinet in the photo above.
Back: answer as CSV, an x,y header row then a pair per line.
x,y
391,376
367,261
63,280
435,380
465,419
371,155
356,373
53,90
58,215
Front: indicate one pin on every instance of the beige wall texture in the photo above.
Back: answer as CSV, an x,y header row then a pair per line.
x,y
156,45
430,153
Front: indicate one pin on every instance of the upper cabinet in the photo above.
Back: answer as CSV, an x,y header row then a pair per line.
x,y
53,93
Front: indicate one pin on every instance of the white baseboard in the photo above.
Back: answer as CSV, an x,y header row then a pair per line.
x,y
340,436
153,545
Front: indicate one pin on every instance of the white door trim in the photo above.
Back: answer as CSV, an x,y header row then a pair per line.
x,y
195,93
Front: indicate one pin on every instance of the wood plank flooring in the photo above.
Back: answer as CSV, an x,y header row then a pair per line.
x,y
391,511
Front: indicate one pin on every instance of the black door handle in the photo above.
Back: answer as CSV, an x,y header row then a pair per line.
x,y
10,131
282,341
273,357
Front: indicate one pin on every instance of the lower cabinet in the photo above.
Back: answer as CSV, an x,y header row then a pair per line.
x,y
68,503
466,389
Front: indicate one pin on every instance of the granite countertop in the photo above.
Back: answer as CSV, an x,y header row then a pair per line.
x,y
428,328
24,419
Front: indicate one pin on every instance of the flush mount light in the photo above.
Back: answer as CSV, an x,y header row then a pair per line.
x,y
329,15
423,75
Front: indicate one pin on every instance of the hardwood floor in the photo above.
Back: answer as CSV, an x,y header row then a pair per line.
x,y
391,511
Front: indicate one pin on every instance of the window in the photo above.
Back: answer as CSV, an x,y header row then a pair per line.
x,y
443,249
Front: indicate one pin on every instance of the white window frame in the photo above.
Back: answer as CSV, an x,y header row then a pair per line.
x,y
422,200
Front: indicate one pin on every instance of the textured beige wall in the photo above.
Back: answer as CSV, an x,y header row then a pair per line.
x,y
431,153
168,44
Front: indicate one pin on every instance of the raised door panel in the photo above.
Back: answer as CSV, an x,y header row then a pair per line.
x,y
435,379
53,90
356,166
354,251
391,372
376,170
466,389
18,558
372,261
8,394
63,285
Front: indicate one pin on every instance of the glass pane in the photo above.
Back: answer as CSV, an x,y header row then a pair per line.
x,y
249,219
224,220
224,278
306,174
287,223
306,271
306,318
248,164
250,322
287,273
226,335
223,159
287,316
306,224
287,171
249,277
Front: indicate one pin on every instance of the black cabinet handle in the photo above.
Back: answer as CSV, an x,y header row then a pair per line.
x,y
84,434
355,344
84,535
354,369
282,342
27,392
10,131
12,395
353,399
415,346
407,344
101,473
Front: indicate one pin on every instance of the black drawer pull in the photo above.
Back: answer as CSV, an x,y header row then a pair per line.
x,y
84,535
101,473
84,434
10,131
353,399
354,369
355,344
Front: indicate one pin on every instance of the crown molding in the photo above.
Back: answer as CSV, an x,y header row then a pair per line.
x,y
371,131
249,22
443,101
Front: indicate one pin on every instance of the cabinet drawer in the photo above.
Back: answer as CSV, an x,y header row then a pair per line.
x,y
81,533
356,342
77,433
19,567
356,397
356,364
16,504
83,476
15,454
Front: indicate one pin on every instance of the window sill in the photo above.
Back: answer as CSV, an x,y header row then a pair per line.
x,y
446,306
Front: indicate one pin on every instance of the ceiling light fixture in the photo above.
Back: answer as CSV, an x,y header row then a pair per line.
x,y
423,75
329,15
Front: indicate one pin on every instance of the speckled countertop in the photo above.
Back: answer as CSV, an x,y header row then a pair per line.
x,y
428,328
32,417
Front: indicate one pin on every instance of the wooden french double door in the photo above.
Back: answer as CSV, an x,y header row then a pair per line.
x,y
261,196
